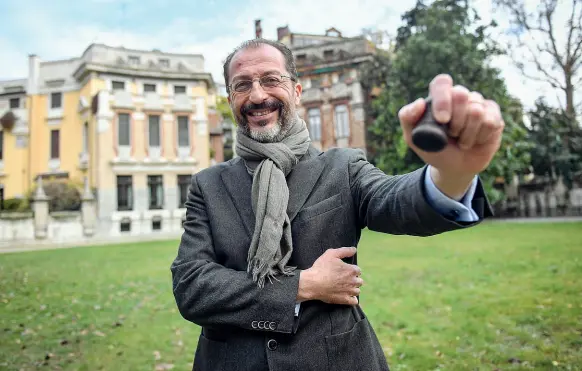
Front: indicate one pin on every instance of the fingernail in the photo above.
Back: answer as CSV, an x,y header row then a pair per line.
x,y
441,116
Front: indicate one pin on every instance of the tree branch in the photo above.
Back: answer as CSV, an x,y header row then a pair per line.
x,y
576,54
554,82
571,31
549,13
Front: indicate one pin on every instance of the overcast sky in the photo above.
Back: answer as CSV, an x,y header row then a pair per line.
x,y
61,29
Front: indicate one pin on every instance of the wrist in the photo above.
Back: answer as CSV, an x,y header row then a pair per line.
x,y
454,186
305,291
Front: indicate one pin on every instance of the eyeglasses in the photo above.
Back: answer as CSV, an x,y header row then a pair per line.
x,y
267,82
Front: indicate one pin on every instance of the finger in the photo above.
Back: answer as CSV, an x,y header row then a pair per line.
x,y
440,89
459,116
356,271
475,115
491,123
358,282
355,291
411,113
342,252
352,300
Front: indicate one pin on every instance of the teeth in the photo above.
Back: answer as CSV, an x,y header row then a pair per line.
x,y
260,113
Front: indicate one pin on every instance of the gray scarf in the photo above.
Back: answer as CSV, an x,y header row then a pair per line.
x,y
269,164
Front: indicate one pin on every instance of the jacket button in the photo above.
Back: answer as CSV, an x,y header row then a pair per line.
x,y
272,344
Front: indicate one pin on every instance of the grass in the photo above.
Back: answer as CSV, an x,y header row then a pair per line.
x,y
499,296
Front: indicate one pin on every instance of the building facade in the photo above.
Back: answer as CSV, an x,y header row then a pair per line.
x,y
332,101
132,123
14,155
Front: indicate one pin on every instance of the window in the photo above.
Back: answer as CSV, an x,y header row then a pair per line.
x,y
164,63
56,100
123,130
342,122
156,191
154,130
118,85
55,144
179,89
125,225
124,192
328,54
86,137
14,103
316,82
156,223
133,60
314,118
183,132
1,145
149,88
183,186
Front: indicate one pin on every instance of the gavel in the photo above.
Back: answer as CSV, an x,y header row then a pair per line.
x,y
430,135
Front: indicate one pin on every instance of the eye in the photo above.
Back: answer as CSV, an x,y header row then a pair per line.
x,y
241,86
270,81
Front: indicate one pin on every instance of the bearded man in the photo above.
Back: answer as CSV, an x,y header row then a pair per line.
x,y
266,264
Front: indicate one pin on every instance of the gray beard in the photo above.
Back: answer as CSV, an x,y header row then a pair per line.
x,y
274,134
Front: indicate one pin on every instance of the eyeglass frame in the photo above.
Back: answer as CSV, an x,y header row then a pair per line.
x,y
259,80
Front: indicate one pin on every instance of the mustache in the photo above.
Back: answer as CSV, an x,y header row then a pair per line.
x,y
268,105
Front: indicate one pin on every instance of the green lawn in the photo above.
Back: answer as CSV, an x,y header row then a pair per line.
x,y
498,296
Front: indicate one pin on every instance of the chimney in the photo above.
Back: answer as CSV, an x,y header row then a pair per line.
x,y
282,32
258,29
33,74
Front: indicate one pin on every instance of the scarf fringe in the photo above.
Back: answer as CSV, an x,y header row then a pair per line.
x,y
260,274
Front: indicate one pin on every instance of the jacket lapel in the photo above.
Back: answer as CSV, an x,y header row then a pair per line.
x,y
239,184
302,180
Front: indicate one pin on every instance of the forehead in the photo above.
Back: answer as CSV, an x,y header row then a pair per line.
x,y
255,61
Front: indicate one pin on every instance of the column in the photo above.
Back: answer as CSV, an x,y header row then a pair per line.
x,y
88,210
40,208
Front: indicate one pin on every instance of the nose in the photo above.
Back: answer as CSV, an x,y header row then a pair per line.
x,y
258,95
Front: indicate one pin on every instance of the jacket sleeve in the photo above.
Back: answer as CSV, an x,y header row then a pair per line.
x,y
397,204
210,295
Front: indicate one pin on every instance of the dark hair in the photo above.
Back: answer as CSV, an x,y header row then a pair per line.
x,y
255,43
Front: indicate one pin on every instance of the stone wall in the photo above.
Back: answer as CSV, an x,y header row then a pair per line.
x,y
40,226
540,199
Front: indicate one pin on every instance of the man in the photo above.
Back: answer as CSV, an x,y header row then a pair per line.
x,y
266,265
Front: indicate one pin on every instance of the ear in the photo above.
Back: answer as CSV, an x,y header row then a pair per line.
x,y
228,98
298,91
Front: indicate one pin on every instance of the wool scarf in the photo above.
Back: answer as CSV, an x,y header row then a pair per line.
x,y
269,164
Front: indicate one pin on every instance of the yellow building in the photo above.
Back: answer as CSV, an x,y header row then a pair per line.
x,y
14,154
134,123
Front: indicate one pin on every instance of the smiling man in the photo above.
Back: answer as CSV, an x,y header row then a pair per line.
x,y
267,261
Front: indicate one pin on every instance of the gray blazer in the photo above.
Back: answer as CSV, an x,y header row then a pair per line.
x,y
333,196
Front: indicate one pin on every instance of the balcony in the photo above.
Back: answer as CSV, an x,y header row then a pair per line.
x,y
311,95
182,103
122,99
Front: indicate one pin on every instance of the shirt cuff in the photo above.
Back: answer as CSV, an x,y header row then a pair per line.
x,y
460,211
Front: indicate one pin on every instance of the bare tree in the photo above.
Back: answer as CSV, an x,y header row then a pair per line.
x,y
557,62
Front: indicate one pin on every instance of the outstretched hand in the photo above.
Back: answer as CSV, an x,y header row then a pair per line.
x,y
475,129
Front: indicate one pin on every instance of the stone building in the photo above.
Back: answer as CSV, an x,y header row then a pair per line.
x,y
131,124
332,102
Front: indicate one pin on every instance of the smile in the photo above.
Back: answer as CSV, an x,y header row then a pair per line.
x,y
261,112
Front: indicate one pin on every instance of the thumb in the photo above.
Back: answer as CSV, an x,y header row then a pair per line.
x,y
410,114
342,252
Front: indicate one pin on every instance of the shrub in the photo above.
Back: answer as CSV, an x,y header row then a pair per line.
x,y
63,195
16,204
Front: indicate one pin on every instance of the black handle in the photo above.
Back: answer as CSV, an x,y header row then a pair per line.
x,y
428,134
